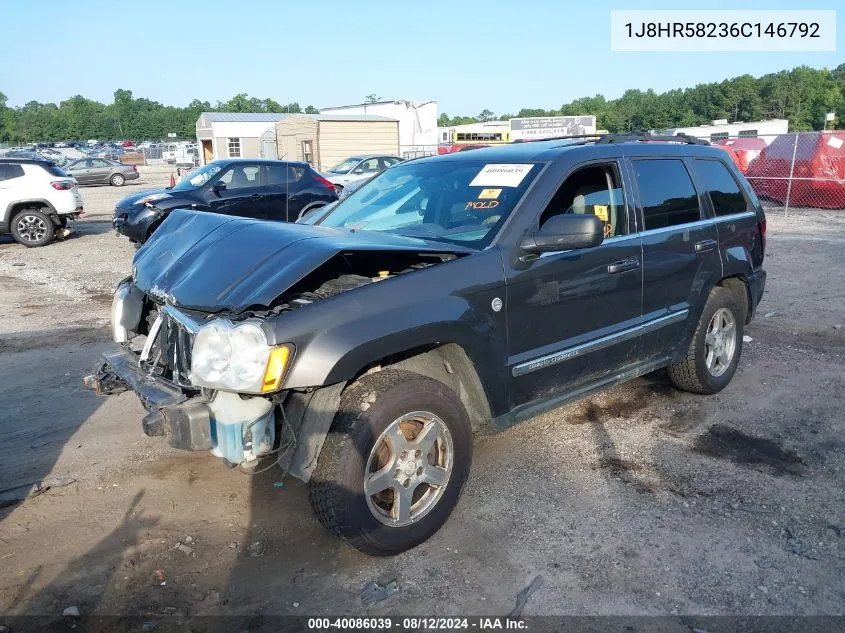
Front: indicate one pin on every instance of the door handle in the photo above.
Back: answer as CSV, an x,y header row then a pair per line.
x,y
705,245
256,196
621,267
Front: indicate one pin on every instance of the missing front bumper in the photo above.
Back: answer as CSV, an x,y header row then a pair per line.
x,y
235,428
185,421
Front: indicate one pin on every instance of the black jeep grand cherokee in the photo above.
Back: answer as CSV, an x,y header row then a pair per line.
x,y
448,294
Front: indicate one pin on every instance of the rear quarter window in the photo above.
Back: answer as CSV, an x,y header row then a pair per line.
x,y
54,170
720,186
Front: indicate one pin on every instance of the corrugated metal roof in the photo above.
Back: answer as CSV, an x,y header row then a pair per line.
x,y
352,117
256,117
416,104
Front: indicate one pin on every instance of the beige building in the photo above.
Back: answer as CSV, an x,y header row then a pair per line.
x,y
236,135
324,140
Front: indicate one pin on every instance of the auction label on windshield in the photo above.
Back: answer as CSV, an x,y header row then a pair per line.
x,y
722,30
500,175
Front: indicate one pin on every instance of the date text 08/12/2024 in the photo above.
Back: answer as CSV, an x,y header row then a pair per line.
x,y
417,623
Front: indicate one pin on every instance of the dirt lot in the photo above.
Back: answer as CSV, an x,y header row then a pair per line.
x,y
643,500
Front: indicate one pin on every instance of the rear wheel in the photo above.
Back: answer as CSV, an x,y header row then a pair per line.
x,y
117,180
713,353
394,463
33,227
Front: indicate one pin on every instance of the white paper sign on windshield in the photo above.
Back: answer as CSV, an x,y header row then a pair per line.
x,y
500,175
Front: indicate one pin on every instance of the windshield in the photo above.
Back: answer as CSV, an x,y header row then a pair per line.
x,y
198,178
345,166
458,202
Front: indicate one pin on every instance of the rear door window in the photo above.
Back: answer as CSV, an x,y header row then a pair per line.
x,y
667,193
7,171
720,186
284,175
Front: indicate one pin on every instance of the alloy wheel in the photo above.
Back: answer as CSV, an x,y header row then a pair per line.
x,y
31,228
408,469
720,342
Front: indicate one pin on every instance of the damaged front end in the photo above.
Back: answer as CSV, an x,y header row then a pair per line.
x,y
154,359
193,327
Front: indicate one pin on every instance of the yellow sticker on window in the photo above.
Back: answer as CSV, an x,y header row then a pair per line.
x,y
600,211
489,194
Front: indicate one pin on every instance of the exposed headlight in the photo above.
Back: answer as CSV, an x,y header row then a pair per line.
x,y
237,357
154,197
126,307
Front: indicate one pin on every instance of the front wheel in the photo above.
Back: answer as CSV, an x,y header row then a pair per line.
x,y
118,180
713,353
394,463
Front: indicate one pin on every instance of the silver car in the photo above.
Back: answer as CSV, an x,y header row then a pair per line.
x,y
359,168
101,171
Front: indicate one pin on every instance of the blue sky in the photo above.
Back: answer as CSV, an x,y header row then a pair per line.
x,y
468,55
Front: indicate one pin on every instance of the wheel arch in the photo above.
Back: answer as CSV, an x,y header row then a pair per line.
x,y
738,286
311,414
17,206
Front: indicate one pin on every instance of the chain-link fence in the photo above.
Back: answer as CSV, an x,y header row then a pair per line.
x,y
789,171
417,151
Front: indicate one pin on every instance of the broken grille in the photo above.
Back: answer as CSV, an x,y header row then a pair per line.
x,y
167,350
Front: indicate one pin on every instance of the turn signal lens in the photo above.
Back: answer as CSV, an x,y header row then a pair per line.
x,y
277,363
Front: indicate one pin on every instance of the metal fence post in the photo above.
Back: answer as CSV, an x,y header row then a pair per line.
x,y
791,173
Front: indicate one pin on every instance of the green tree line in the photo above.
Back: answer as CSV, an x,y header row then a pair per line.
x,y
79,118
802,95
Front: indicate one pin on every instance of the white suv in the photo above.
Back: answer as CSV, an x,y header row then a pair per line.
x,y
37,198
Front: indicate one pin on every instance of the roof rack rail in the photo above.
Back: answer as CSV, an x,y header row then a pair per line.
x,y
555,138
627,137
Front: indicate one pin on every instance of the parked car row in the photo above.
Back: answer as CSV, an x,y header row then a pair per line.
x,y
360,346
260,189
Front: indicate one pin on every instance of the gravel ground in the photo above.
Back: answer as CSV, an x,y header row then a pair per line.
x,y
643,500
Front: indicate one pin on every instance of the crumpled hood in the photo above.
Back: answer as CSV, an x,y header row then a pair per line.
x,y
209,262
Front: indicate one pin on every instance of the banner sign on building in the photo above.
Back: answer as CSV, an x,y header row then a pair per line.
x,y
549,126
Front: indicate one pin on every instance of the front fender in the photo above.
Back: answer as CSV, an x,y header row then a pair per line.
x,y
337,338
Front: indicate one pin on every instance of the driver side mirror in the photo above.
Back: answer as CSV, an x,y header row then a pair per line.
x,y
565,232
218,186
358,170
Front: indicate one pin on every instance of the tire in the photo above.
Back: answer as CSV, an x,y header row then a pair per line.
x,y
117,180
360,443
699,372
32,227
306,210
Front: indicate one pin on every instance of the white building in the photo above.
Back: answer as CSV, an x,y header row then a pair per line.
x,y
417,122
237,135
721,129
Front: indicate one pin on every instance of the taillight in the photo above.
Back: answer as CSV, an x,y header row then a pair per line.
x,y
62,185
324,182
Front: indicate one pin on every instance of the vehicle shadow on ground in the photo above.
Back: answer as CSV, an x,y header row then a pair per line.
x,y
77,230
90,227
41,408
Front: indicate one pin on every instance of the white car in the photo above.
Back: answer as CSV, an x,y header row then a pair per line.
x,y
359,168
37,198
